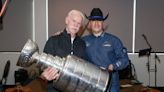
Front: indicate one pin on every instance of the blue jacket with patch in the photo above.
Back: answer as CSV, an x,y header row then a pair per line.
x,y
104,50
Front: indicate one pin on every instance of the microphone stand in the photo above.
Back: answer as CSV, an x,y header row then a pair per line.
x,y
156,58
148,65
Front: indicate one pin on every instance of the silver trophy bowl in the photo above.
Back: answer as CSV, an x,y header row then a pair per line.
x,y
76,74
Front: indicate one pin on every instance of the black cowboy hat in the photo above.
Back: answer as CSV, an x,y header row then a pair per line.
x,y
96,14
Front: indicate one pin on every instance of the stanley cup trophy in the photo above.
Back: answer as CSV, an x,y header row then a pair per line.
x,y
76,75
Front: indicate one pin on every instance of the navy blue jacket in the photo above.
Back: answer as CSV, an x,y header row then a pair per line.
x,y
104,50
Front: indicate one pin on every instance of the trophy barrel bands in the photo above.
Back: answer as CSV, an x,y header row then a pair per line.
x,y
44,60
81,76
76,75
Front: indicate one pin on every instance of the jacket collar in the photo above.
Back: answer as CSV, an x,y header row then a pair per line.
x,y
102,35
68,35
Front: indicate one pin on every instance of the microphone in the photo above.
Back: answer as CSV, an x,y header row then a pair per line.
x,y
150,47
144,36
146,40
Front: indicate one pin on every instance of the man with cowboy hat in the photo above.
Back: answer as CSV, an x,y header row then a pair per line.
x,y
105,50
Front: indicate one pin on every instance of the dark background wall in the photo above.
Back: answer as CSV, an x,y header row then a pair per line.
x,y
17,25
149,19
119,22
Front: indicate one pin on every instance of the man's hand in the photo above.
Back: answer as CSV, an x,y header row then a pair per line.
x,y
50,73
110,68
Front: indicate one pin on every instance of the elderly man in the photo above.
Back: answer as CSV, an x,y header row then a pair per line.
x,y
65,43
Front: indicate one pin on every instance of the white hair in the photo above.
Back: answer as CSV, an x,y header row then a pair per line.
x,y
75,12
